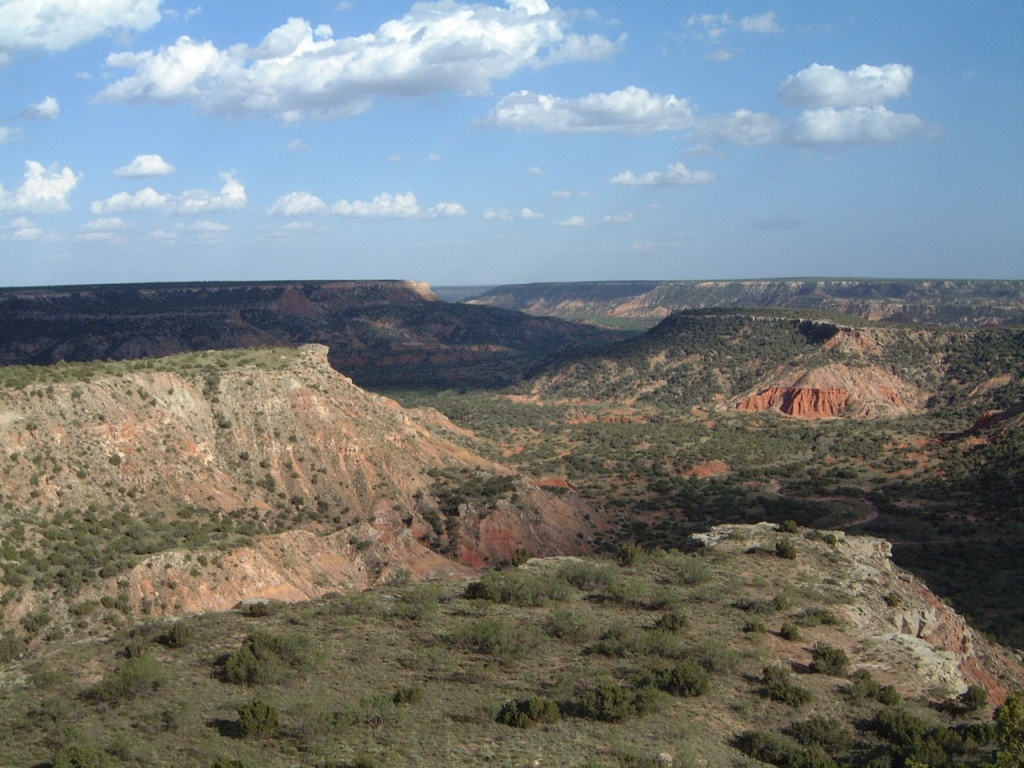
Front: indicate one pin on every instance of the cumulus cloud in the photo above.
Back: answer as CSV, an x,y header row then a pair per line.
x,y
630,110
299,71
765,23
825,86
845,108
298,204
618,218
854,125
144,166
383,206
573,221
502,214
231,196
57,25
44,190
7,134
676,174
47,109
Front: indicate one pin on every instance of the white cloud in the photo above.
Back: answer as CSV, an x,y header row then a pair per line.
x,y
145,165
742,127
7,134
854,125
676,174
384,205
447,210
231,196
434,157
535,171
715,25
630,110
618,218
297,145
57,25
297,204
109,224
22,229
825,86
561,194
47,109
44,190
721,55
506,215
573,221
297,71
765,23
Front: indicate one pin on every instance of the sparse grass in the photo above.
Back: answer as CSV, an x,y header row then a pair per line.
x,y
420,674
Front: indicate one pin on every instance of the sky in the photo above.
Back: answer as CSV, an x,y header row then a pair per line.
x,y
483,143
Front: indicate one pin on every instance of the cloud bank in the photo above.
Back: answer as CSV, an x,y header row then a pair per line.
x,y
299,71
56,25
231,196
630,110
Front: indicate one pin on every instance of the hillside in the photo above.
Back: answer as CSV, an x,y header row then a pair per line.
x,y
194,482
945,302
393,333
908,433
763,647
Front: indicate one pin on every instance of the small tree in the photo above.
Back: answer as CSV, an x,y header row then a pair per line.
x,y
830,661
1010,727
257,719
83,756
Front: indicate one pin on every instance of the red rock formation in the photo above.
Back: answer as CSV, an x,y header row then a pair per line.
x,y
804,402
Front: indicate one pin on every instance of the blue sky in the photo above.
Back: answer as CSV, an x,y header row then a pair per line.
x,y
468,143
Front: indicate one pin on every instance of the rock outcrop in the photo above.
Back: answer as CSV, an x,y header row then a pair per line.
x,y
270,464
893,625
835,390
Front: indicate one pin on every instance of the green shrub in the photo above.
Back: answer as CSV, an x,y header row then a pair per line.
x,y
775,749
520,556
755,627
605,699
497,637
863,686
411,695
973,699
180,634
135,676
790,632
523,713
789,526
567,624
631,554
227,762
785,550
899,726
778,686
830,735
526,588
686,679
671,622
264,658
829,660
257,720
83,756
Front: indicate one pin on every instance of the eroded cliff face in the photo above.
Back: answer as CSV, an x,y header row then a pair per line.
x,y
193,488
893,624
833,391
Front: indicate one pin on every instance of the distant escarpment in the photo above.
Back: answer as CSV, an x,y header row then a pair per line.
x,y
192,482
947,302
381,333
719,360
